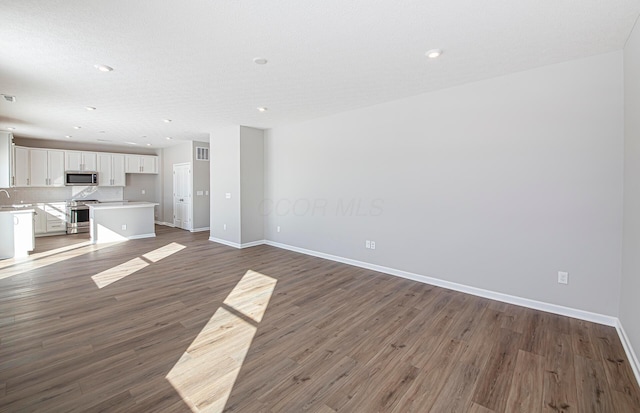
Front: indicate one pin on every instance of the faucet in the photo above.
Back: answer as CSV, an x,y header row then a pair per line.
x,y
5,191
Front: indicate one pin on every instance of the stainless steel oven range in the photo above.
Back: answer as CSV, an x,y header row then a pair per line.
x,y
78,215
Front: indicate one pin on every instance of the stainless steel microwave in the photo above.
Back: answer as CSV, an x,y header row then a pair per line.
x,y
82,178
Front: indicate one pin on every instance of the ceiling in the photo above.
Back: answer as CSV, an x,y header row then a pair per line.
x,y
192,61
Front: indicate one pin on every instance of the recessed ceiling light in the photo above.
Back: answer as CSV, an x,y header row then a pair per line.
x,y
89,108
148,144
77,127
104,68
11,128
262,109
260,61
166,120
68,136
9,98
168,138
434,53
131,143
101,131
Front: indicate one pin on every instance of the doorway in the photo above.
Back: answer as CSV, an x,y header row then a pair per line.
x,y
182,205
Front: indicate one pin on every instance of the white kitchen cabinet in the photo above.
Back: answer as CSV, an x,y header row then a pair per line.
x,y
50,218
6,159
17,233
46,167
141,164
40,220
21,166
81,161
23,235
56,217
111,169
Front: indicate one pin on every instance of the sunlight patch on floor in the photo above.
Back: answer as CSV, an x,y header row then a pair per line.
x,y
205,374
17,266
160,253
118,272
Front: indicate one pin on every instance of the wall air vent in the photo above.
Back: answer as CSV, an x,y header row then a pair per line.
x,y
9,98
202,153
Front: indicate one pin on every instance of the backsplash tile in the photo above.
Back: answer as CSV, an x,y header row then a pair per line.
x,y
34,195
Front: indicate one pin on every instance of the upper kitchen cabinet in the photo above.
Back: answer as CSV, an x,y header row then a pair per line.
x,y
6,158
141,164
21,167
111,169
81,161
46,167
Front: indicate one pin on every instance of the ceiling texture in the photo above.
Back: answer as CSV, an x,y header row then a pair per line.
x,y
192,61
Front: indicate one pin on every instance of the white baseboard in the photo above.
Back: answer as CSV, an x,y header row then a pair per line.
x,y
225,242
628,348
166,224
253,243
201,229
235,244
506,298
150,235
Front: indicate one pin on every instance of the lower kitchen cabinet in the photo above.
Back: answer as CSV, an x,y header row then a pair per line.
x,y
50,219
39,220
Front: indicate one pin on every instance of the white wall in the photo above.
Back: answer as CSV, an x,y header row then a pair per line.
x,y
629,302
201,177
180,153
497,184
150,184
252,183
225,178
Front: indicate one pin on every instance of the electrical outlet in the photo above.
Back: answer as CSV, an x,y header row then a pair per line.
x,y
373,245
563,277
124,227
224,227
206,192
278,228
367,244
143,192
227,195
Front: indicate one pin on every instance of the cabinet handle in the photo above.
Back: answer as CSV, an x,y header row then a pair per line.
x,y
28,183
13,181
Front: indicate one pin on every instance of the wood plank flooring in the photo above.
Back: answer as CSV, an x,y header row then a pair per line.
x,y
150,326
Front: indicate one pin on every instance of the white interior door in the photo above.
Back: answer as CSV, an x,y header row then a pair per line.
x,y
182,196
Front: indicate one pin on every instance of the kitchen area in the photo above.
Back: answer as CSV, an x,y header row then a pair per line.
x,y
57,191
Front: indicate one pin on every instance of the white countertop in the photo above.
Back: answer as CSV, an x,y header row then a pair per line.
x,y
122,205
14,210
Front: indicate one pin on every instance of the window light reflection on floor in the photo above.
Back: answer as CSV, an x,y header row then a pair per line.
x,y
118,272
15,266
205,374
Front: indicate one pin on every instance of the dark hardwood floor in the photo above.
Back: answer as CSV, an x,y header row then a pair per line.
x,y
178,324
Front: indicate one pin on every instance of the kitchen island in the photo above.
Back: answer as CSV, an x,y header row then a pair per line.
x,y
120,221
16,231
